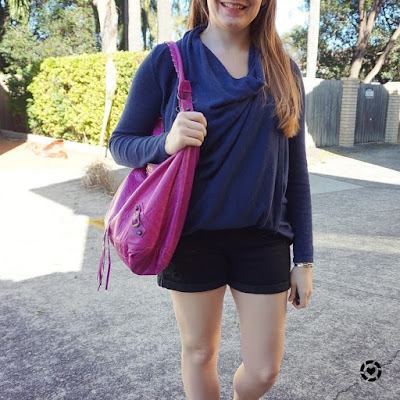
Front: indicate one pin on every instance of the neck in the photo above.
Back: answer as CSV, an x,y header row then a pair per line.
x,y
225,41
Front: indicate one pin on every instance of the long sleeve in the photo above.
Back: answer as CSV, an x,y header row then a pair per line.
x,y
131,143
298,191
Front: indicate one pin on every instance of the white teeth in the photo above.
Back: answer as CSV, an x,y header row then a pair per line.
x,y
237,6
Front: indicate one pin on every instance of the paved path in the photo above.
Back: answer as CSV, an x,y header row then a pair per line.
x,y
61,339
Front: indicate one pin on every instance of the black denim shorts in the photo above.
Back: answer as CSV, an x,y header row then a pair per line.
x,y
250,259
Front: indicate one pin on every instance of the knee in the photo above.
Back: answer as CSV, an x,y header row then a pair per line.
x,y
200,354
268,376
254,382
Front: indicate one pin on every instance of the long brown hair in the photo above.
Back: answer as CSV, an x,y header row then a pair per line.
x,y
283,84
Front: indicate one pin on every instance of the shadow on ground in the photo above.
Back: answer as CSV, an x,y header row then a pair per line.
x,y
8,145
381,154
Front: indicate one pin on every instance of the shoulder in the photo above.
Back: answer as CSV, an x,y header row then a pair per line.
x,y
295,67
298,74
161,58
159,52
157,69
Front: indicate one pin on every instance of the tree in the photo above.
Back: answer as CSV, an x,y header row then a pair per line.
x,y
356,38
134,25
164,20
365,25
312,41
108,18
52,28
180,13
384,55
19,9
159,21
16,10
149,23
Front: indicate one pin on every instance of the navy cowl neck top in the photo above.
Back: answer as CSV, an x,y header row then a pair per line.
x,y
249,173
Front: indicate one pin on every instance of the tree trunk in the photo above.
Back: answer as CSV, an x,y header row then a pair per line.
x,y
108,19
18,8
381,60
312,40
134,26
364,32
164,19
126,24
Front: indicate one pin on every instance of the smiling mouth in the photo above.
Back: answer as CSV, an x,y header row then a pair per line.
x,y
234,6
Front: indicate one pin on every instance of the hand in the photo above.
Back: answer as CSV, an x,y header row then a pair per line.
x,y
300,278
188,129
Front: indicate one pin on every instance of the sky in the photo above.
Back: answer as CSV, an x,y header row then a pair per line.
x,y
288,15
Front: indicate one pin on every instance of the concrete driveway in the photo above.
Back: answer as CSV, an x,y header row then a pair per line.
x,y
62,339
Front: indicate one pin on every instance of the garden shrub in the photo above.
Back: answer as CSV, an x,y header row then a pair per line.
x,y
68,95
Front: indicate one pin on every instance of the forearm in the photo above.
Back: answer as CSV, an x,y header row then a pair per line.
x,y
300,219
136,151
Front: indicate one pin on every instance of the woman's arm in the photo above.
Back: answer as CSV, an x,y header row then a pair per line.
x,y
298,190
131,143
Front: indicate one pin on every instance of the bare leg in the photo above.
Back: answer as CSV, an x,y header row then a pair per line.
x,y
199,318
262,325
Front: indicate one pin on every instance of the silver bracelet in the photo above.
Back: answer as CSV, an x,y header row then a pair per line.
x,y
304,265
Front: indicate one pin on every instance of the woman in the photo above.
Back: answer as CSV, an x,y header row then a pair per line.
x,y
251,196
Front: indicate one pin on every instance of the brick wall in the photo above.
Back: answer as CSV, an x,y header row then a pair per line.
x,y
348,111
393,114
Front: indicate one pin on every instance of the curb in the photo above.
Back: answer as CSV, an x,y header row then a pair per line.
x,y
69,146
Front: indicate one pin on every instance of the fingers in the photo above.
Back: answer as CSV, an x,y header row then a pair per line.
x,y
292,292
192,129
197,126
188,129
195,140
194,116
304,297
300,280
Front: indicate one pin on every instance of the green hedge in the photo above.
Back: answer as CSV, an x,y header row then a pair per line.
x,y
68,95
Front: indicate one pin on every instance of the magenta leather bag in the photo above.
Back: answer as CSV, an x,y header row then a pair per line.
x,y
145,218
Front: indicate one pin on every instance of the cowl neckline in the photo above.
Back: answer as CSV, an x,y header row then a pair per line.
x,y
211,71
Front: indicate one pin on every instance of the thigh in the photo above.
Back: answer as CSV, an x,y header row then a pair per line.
x,y
259,262
197,265
262,327
199,318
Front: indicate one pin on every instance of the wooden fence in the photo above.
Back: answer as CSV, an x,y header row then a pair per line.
x,y
323,101
369,112
372,104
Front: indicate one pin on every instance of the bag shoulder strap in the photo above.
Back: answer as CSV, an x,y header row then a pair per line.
x,y
184,87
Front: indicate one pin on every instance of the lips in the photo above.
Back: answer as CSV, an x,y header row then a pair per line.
x,y
234,6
